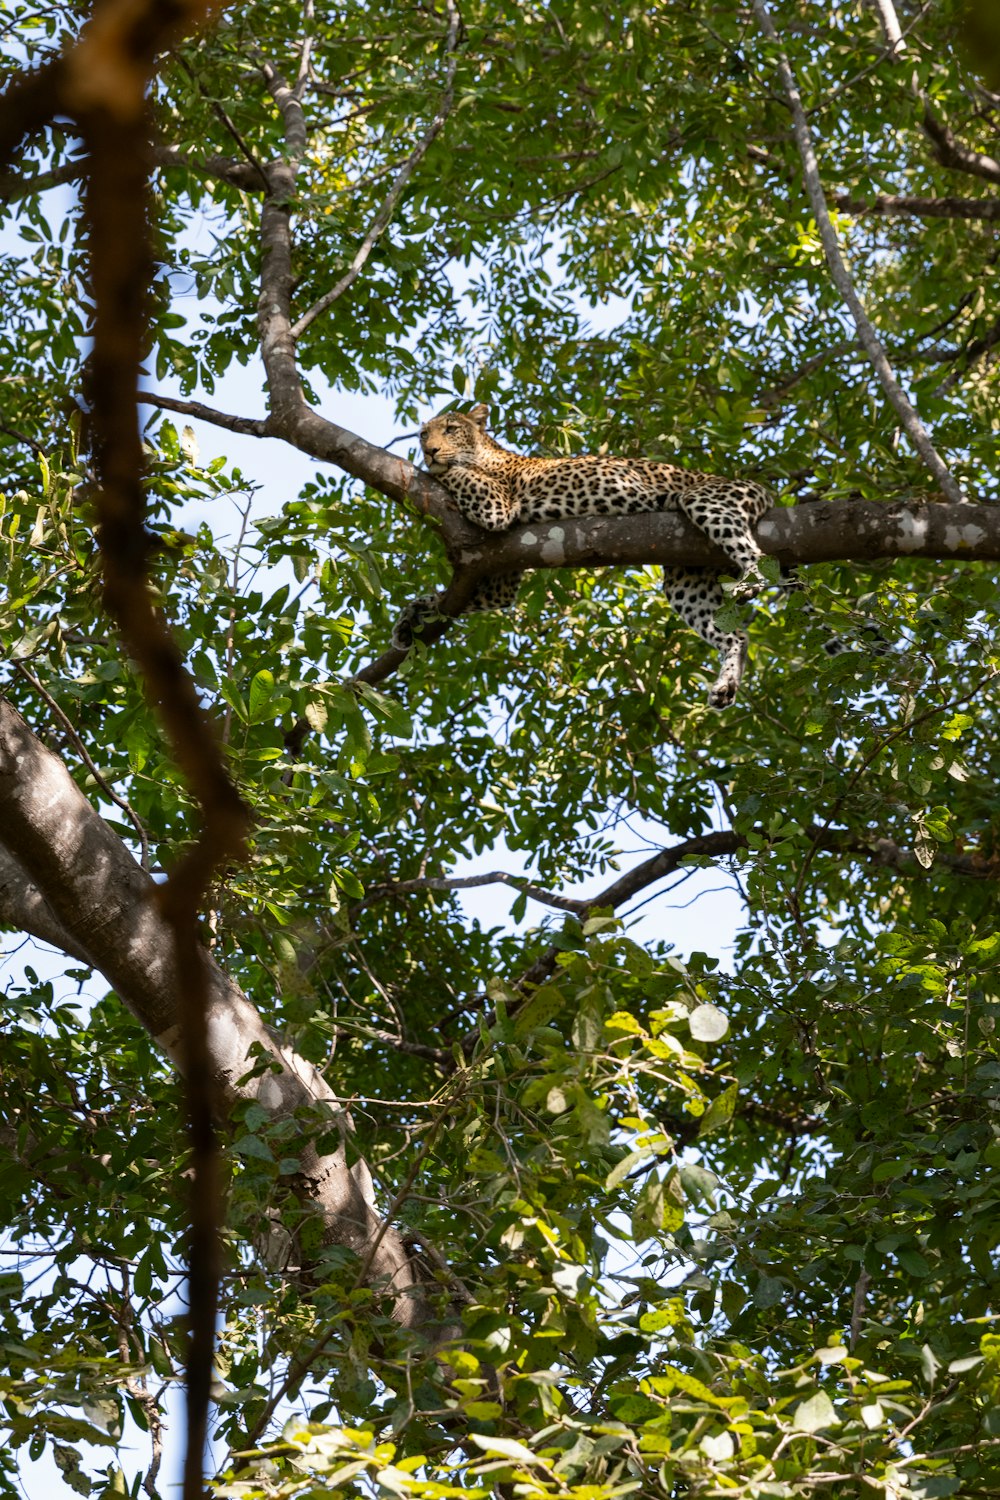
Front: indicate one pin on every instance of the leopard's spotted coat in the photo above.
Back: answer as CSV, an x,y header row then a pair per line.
x,y
497,489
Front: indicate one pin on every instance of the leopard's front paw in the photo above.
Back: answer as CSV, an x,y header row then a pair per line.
x,y
412,620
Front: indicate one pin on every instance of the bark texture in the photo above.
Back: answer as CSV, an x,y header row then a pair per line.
x,y
67,878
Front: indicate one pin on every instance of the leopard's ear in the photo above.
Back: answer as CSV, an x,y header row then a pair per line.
x,y
480,415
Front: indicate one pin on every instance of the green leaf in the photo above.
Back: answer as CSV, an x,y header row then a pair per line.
x,y
815,1413
261,693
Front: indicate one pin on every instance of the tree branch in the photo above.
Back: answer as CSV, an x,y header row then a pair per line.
x,y
923,208
837,531
524,887
776,394
73,883
951,152
258,175
900,402
15,185
246,175
725,842
890,27
382,219
249,426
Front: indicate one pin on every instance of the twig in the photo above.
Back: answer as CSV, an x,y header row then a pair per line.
x,y
402,177
777,393
22,437
300,1364
969,356
864,1281
468,882
900,402
226,121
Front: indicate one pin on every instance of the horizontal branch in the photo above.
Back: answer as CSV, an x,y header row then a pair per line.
x,y
834,531
245,175
239,174
17,185
471,882
922,208
837,531
726,842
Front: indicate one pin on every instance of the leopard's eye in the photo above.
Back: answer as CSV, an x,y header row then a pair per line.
x,y
451,427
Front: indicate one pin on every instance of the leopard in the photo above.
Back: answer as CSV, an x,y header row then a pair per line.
x,y
497,488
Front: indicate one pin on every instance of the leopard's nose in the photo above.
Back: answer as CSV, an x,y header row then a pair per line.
x,y
430,450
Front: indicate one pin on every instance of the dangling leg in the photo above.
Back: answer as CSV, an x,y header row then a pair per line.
x,y
696,594
492,593
725,510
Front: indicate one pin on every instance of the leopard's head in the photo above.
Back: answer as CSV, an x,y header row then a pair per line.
x,y
455,438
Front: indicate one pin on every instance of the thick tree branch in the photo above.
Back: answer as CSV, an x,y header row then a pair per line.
x,y
67,879
839,274
838,531
921,208
951,152
886,13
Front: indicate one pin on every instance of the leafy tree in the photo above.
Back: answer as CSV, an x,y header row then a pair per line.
x,y
542,1208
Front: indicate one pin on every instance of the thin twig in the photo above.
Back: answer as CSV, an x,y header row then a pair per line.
x,y
969,356
382,219
225,120
22,437
951,152
864,1281
467,882
898,399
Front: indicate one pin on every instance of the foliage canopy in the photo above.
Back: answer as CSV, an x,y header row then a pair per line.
x,y
687,1222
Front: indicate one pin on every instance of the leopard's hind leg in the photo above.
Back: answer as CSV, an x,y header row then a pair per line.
x,y
726,510
696,594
